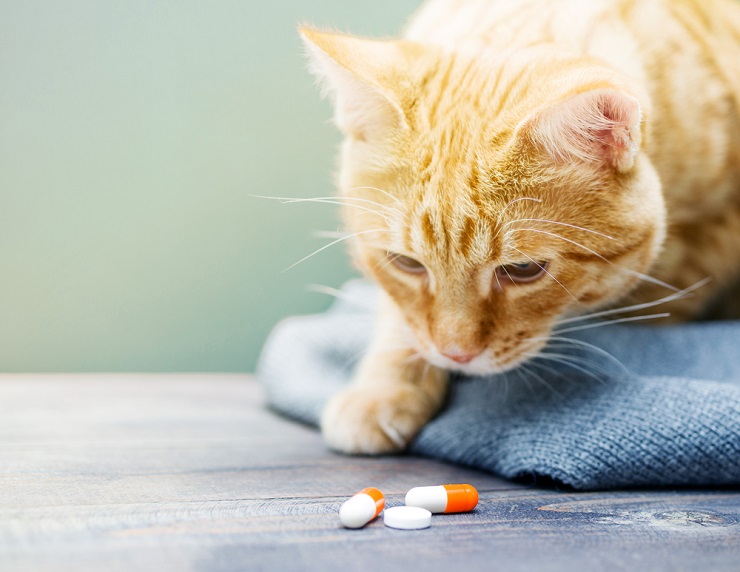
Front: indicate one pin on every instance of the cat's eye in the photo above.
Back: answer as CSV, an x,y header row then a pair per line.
x,y
521,273
406,263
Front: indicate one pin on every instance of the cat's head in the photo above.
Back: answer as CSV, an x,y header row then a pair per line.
x,y
490,196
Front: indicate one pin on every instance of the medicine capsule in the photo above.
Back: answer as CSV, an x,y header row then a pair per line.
x,y
361,508
443,498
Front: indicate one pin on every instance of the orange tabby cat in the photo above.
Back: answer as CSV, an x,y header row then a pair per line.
x,y
512,162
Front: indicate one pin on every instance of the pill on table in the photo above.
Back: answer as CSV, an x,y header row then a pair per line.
x,y
443,498
407,517
361,508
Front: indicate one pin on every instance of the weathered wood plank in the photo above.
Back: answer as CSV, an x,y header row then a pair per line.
x,y
193,472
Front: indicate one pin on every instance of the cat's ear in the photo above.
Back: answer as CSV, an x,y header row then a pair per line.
x,y
599,126
358,75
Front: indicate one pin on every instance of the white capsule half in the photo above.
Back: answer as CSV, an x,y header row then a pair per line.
x,y
434,498
361,508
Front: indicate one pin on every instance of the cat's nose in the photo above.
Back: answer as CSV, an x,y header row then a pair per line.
x,y
460,357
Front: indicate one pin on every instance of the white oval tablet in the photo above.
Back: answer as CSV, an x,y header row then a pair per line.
x,y
407,517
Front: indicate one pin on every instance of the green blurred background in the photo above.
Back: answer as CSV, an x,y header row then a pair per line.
x,y
132,135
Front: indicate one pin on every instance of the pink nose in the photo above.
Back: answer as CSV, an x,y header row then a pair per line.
x,y
460,357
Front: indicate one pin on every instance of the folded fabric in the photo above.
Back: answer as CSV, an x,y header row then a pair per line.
x,y
613,406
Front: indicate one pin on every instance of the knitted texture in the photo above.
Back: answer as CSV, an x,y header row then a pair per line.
x,y
645,406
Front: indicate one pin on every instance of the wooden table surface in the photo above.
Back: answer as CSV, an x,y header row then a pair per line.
x,y
192,472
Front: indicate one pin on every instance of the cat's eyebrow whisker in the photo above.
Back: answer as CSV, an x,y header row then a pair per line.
x,y
386,193
561,224
627,270
637,307
612,322
332,243
336,200
512,202
341,203
383,262
586,248
546,272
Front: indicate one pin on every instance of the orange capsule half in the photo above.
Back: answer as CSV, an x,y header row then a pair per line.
x,y
444,498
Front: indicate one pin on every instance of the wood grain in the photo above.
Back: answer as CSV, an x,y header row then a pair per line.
x,y
192,472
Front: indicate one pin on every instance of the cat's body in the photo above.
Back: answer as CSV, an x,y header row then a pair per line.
x,y
512,163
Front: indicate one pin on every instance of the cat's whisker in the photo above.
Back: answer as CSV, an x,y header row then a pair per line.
x,y
341,295
613,322
567,363
561,224
329,234
338,240
650,279
414,357
636,307
546,272
527,368
595,365
580,343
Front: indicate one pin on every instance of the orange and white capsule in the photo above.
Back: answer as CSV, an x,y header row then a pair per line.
x,y
362,508
443,498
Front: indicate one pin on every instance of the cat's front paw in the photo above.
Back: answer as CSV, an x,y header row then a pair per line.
x,y
375,421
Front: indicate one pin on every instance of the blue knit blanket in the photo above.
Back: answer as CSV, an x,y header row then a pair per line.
x,y
620,406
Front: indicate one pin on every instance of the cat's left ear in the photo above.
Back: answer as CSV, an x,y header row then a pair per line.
x,y
364,78
601,127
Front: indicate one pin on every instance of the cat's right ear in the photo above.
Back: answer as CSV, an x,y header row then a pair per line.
x,y
362,79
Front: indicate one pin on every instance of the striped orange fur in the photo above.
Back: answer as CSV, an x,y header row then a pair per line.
x,y
511,163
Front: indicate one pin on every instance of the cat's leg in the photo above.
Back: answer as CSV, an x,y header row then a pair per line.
x,y
394,393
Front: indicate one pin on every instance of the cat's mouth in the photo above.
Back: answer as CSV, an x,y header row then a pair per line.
x,y
482,364
485,363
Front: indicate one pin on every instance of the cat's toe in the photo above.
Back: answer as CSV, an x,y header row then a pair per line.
x,y
361,421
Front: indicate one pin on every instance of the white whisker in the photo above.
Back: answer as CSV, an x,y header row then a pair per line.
x,y
340,295
561,238
637,307
561,224
650,279
639,275
539,378
555,358
546,272
339,201
576,359
343,238
507,205
581,343
386,193
612,322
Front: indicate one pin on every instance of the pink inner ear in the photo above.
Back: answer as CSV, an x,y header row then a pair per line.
x,y
601,126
